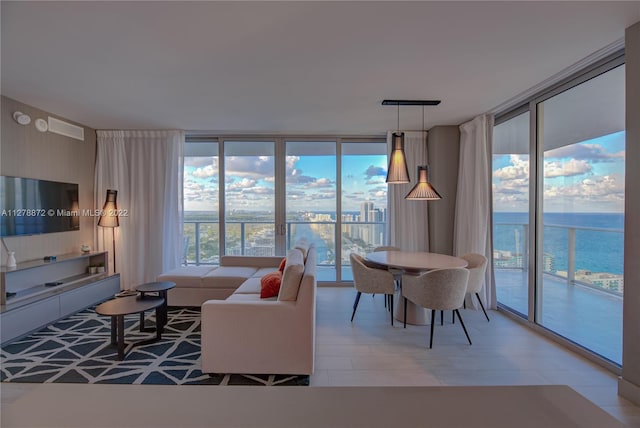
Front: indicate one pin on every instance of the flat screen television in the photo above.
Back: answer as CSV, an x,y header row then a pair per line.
x,y
29,206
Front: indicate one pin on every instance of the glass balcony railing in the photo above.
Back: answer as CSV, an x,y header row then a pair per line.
x,y
202,240
587,256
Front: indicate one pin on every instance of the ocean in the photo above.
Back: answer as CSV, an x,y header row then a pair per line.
x,y
600,250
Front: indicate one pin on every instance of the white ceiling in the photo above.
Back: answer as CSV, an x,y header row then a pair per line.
x,y
291,67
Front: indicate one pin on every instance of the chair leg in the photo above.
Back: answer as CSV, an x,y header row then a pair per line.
x,y
463,327
482,306
355,305
441,317
453,317
433,318
391,307
405,312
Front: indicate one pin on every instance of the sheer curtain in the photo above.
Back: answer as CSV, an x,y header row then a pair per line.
x,y
407,220
472,229
145,167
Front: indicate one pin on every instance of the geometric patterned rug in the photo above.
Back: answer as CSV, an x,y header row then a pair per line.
x,y
78,349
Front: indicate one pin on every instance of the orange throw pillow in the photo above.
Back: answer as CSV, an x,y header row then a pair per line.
x,y
270,284
283,263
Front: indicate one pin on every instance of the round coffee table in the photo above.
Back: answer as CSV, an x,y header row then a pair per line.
x,y
119,307
160,287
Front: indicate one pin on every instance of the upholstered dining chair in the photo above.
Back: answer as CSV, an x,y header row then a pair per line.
x,y
477,266
437,289
397,273
370,280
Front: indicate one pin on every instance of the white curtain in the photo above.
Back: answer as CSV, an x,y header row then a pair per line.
x,y
472,229
407,223
145,167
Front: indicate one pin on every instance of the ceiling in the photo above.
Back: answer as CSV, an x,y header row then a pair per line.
x,y
291,67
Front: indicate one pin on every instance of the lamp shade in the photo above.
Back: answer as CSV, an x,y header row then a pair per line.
x,y
109,214
423,190
397,173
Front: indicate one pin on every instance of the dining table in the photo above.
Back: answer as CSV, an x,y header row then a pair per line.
x,y
413,263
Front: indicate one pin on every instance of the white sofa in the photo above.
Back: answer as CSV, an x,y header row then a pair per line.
x,y
197,284
247,334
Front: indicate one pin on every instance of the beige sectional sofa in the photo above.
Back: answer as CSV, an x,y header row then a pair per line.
x,y
243,333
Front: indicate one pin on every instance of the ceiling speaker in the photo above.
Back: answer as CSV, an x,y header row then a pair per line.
x,y
67,129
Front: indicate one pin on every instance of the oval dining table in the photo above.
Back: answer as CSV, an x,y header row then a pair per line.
x,y
414,263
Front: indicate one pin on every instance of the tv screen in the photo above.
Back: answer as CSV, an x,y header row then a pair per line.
x,y
30,206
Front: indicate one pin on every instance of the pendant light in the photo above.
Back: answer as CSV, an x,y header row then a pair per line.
x,y
398,172
423,190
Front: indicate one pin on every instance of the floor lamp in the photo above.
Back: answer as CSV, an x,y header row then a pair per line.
x,y
109,218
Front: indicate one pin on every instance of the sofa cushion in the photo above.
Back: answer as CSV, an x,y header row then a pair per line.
x,y
263,271
250,286
227,276
187,276
283,263
302,244
270,284
248,297
292,276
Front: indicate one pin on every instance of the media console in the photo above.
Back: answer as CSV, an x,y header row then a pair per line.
x,y
37,293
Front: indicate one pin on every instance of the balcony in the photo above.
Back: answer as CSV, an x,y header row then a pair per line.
x,y
577,299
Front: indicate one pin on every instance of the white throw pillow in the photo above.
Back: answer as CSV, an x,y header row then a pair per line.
x,y
292,276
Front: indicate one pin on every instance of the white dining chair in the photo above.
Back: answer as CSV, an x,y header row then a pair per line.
x,y
477,266
438,289
371,280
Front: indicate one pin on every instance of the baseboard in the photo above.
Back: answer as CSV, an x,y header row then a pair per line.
x,y
629,390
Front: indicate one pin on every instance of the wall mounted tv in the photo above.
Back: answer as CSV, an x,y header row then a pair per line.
x,y
29,206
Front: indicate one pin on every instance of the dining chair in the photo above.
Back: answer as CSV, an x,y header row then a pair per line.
x,y
397,273
371,280
437,289
477,266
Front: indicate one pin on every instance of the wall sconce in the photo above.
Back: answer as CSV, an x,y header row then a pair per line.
x,y
21,118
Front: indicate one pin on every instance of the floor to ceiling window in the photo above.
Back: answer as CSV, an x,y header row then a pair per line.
x,y
574,162
276,190
249,198
511,211
200,193
364,200
311,199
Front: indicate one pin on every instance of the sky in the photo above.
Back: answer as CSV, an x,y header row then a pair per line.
x,y
310,183
582,177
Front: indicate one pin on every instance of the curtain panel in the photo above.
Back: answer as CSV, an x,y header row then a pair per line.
x,y
407,224
145,167
472,224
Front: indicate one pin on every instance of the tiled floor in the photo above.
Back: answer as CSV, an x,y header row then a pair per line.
x,y
370,352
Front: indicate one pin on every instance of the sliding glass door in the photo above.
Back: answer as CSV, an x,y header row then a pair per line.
x,y
582,147
558,200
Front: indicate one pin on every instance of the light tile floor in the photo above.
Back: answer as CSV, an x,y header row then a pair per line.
x,y
370,352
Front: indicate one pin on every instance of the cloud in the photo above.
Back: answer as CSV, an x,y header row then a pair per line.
x,y
519,169
566,169
591,152
375,171
374,181
241,185
593,189
205,172
200,161
320,183
256,167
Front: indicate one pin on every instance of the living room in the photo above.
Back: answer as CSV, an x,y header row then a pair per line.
x,y
127,67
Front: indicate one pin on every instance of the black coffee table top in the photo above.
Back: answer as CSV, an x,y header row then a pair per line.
x,y
128,305
151,287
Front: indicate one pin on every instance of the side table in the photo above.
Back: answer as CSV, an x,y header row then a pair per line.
x,y
160,287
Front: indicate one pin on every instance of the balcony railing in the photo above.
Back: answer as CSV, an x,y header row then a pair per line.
x,y
202,240
560,246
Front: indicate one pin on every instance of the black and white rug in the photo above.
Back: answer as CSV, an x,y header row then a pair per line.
x,y
78,350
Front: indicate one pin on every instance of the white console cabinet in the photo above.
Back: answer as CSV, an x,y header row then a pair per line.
x,y
37,293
